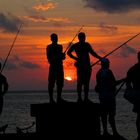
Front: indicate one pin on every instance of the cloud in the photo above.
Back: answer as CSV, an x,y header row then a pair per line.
x,y
45,6
9,23
108,28
15,62
102,51
127,50
39,18
29,65
36,16
25,64
113,6
9,65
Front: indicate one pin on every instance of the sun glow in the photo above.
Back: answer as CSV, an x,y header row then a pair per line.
x,y
68,78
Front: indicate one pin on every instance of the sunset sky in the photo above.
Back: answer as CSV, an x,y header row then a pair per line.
x,y
107,25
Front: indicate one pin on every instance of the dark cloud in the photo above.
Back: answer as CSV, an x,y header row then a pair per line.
x,y
108,28
29,65
9,23
113,6
25,64
16,62
10,65
102,52
127,50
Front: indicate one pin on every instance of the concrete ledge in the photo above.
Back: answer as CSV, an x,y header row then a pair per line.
x,y
73,119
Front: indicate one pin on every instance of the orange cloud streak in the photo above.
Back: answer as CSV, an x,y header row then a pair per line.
x,y
45,6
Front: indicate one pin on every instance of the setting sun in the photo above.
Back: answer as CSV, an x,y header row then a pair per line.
x,y
68,78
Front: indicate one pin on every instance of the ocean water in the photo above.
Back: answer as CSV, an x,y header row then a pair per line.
x,y
16,111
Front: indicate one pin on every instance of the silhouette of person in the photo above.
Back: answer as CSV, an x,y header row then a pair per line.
x,y
82,58
3,89
55,58
106,87
133,83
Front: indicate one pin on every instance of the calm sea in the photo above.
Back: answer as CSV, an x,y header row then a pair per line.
x,y
16,111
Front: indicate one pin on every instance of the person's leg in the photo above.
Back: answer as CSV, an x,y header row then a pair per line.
x,y
112,113
79,91
51,83
104,123
60,83
50,90
1,104
113,124
86,91
79,85
138,125
59,92
87,76
104,115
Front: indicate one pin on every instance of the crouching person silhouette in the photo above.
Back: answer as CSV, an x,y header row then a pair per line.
x,y
106,87
55,58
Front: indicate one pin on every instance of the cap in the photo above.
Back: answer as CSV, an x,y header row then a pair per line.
x,y
105,60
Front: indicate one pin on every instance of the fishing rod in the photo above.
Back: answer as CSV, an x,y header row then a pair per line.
x,y
120,88
73,39
11,48
116,49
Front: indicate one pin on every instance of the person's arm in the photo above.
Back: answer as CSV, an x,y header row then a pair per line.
x,y
128,80
120,81
93,53
48,53
69,53
63,54
5,86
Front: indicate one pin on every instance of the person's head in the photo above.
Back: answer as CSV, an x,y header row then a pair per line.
x,y
82,37
105,63
54,38
138,56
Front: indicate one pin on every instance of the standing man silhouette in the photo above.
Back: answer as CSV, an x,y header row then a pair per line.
x,y
55,58
133,85
3,89
82,58
106,87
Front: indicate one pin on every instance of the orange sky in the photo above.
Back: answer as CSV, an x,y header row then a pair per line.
x,y
27,66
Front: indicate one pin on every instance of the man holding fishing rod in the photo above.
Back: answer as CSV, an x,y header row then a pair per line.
x,y
3,80
82,50
106,88
55,57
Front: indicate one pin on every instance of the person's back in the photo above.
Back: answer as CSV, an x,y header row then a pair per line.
x,y
54,51
106,80
133,76
55,58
